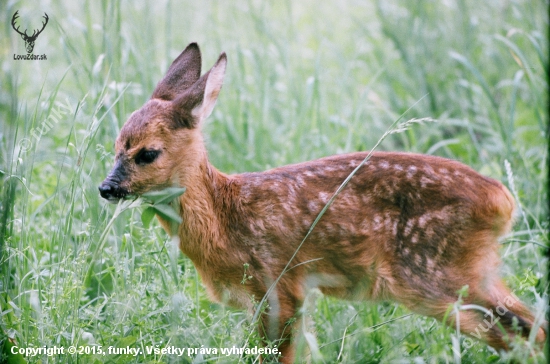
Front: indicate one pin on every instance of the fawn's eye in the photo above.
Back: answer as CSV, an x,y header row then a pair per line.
x,y
146,156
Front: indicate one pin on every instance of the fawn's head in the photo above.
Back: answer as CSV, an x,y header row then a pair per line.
x,y
162,140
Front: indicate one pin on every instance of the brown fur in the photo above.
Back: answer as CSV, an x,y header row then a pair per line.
x,y
409,228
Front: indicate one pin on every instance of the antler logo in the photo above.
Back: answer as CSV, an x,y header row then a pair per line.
x,y
29,39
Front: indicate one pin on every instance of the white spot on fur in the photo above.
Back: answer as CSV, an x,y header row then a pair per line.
x,y
312,206
377,222
429,170
443,213
388,222
430,265
324,197
411,171
424,181
384,165
349,200
289,208
424,219
409,227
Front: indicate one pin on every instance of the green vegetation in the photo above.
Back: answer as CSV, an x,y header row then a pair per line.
x,y
305,79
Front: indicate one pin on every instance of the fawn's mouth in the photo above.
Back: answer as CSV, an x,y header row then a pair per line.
x,y
111,192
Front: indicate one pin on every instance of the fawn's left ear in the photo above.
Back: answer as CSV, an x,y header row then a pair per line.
x,y
197,102
181,75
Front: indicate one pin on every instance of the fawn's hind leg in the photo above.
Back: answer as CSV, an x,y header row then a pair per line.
x,y
505,309
505,315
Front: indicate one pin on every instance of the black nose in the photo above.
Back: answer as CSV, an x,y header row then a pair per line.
x,y
112,192
106,191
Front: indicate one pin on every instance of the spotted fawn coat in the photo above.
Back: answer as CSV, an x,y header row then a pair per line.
x,y
409,228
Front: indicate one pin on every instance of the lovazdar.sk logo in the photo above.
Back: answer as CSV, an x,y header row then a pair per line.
x,y
29,39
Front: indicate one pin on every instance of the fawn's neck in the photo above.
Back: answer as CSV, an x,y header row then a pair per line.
x,y
201,232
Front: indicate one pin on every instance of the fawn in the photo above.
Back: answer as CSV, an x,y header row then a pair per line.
x,y
409,228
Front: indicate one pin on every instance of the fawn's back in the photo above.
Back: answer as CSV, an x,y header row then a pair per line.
x,y
403,220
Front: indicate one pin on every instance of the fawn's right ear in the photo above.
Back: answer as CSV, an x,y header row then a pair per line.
x,y
182,74
197,102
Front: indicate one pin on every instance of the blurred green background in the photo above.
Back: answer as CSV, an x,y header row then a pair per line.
x,y
305,79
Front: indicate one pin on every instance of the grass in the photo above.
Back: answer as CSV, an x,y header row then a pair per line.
x,y
305,79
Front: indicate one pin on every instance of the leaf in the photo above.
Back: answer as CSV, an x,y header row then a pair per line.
x,y
167,212
17,358
147,215
158,203
163,196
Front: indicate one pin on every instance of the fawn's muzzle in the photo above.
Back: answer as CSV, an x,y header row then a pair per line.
x,y
110,189
112,192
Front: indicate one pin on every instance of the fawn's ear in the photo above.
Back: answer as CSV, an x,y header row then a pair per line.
x,y
197,102
182,74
